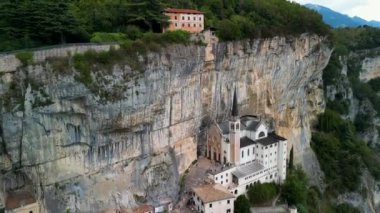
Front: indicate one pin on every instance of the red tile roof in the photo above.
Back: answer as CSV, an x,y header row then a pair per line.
x,y
15,200
143,209
188,11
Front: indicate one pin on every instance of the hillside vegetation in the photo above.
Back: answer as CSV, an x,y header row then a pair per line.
x,y
33,23
342,152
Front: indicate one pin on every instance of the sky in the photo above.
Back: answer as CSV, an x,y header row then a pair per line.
x,y
367,9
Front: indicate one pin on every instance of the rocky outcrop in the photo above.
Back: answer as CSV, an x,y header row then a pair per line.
x,y
83,153
370,68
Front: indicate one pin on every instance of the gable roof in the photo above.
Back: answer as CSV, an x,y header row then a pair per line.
x,y
250,122
271,139
245,141
212,192
187,11
224,127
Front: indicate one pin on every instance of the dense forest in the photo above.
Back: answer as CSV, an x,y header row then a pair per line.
x,y
33,23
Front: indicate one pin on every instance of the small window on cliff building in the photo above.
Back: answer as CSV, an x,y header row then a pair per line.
x,y
261,134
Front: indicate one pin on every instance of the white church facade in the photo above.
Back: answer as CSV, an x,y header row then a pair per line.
x,y
247,152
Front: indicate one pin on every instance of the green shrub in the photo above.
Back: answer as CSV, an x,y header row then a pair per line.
x,y
101,37
294,190
227,30
242,205
262,193
346,208
375,84
177,36
133,32
83,66
25,58
341,106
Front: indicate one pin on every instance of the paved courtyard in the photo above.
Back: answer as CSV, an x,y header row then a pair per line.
x,y
197,174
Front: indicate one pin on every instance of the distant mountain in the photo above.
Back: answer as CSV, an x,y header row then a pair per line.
x,y
336,19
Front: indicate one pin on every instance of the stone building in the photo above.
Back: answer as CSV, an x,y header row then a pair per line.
x,y
21,202
213,198
185,19
247,152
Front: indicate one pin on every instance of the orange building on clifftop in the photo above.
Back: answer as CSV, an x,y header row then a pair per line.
x,y
185,19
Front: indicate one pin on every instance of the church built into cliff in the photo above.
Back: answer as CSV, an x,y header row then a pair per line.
x,y
247,151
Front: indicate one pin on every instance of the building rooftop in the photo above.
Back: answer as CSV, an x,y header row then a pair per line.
x,y
246,141
243,171
188,11
271,139
15,200
224,126
250,122
218,168
212,192
143,209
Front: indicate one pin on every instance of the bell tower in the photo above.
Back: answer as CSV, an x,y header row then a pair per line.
x,y
234,126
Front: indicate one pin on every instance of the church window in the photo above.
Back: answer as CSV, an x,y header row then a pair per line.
x,y
216,178
261,134
237,126
271,146
232,126
221,182
210,205
242,153
248,152
236,192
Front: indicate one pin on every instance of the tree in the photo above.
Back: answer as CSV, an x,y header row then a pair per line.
x,y
242,205
33,22
294,189
262,193
291,159
148,14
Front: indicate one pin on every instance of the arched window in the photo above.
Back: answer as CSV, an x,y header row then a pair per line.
x,y
261,134
236,192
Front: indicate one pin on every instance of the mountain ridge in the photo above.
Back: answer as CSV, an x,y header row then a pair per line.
x,y
336,19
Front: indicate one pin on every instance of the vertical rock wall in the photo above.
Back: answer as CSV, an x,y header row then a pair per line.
x,y
80,153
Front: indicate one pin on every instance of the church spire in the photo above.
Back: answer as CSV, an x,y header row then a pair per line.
x,y
235,112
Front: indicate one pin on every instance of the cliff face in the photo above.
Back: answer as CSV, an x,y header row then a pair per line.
x,y
367,63
82,153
